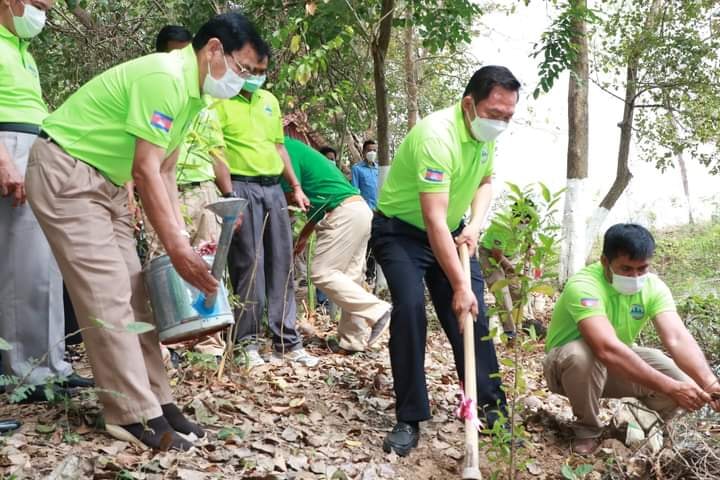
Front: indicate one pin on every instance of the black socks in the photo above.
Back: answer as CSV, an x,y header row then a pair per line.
x,y
157,433
179,422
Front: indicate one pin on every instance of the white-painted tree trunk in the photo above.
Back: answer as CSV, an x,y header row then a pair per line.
x,y
380,281
594,225
572,256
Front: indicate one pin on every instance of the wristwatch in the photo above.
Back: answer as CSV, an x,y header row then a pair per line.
x,y
229,195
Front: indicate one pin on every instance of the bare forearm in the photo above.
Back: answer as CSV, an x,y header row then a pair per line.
x,y
159,207
480,205
445,250
169,181
689,357
222,176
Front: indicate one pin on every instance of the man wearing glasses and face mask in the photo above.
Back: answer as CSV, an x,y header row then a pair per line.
x,y
31,303
590,349
127,123
442,168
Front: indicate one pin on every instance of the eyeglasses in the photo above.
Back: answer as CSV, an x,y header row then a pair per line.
x,y
243,70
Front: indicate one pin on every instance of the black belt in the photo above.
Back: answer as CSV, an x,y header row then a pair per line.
x,y
20,128
261,180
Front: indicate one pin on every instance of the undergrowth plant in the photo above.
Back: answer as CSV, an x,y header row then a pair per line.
x,y
532,229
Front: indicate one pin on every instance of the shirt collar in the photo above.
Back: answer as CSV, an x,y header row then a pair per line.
x,y
9,36
191,71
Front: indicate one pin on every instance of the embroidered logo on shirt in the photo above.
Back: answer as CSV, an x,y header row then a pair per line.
x,y
268,109
161,121
637,311
589,302
432,175
484,155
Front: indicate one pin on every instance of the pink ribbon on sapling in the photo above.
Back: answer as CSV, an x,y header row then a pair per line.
x,y
467,409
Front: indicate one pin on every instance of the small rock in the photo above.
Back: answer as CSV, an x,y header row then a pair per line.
x,y
532,402
534,468
290,434
615,448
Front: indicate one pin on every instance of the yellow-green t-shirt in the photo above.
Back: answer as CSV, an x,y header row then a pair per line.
x,y
20,94
203,141
438,155
154,98
252,129
588,294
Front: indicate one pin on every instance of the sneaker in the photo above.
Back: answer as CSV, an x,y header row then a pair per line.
x,y
403,438
252,357
379,328
298,356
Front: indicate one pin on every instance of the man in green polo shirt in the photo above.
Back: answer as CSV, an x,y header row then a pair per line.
x,y
590,349
442,168
127,123
31,302
260,260
341,220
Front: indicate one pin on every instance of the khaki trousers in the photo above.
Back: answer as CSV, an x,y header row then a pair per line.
x,y
338,269
203,226
572,370
90,230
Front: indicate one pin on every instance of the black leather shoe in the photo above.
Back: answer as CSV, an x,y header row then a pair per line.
x,y
76,381
38,394
403,438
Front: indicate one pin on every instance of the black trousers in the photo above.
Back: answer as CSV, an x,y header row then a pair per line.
x,y
404,254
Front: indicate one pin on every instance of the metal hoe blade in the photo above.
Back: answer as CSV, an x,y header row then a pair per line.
x,y
228,210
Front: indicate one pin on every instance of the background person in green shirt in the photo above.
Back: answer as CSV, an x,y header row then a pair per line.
x,y
590,349
31,297
260,259
127,123
442,167
341,220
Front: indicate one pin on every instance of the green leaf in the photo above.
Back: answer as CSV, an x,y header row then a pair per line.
x,y
139,327
295,43
507,362
4,345
100,323
544,288
499,285
227,432
583,469
42,428
567,472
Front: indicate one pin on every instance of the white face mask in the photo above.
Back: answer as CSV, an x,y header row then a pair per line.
x,y
628,285
31,23
486,130
228,86
371,157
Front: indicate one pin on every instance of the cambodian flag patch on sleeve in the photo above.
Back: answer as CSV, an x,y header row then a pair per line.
x,y
161,121
432,175
589,302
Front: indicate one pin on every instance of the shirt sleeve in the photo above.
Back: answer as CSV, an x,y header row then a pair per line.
x,y
661,299
583,300
355,179
491,159
154,102
434,166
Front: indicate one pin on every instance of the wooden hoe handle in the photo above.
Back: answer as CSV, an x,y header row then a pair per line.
x,y
471,469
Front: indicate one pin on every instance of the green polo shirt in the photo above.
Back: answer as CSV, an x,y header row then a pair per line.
x,y
203,140
252,129
438,155
588,294
20,94
154,98
325,186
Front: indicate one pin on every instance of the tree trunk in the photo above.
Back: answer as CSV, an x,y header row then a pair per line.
x,y
623,174
411,76
573,247
680,157
379,47
80,13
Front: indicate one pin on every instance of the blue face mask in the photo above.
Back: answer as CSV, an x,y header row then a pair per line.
x,y
253,82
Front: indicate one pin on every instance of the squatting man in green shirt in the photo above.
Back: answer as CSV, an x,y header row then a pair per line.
x,y
128,123
590,349
443,167
31,297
